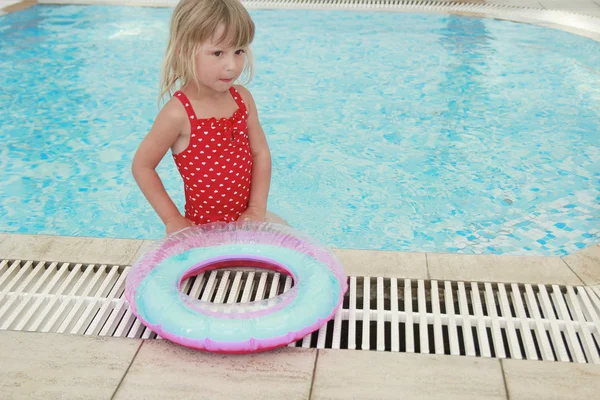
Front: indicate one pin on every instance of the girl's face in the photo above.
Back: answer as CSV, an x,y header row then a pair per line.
x,y
217,64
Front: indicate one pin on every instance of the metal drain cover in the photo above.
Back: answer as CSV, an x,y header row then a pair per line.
x,y
535,322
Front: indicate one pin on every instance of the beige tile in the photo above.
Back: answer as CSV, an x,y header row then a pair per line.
x,y
390,264
69,249
15,6
517,3
578,6
145,246
585,7
3,236
53,366
586,264
163,370
551,380
350,374
500,269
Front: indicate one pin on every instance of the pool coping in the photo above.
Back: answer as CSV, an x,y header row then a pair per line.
x,y
579,268
570,21
8,6
574,22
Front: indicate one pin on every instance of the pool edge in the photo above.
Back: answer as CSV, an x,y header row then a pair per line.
x,y
575,22
579,268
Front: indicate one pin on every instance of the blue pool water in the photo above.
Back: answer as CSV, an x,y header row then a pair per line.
x,y
388,131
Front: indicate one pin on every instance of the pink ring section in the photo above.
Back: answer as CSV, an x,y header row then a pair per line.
x,y
259,345
241,261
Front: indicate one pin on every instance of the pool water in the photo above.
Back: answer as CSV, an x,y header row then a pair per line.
x,y
390,131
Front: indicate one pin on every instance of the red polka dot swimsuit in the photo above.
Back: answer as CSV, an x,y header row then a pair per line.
x,y
216,165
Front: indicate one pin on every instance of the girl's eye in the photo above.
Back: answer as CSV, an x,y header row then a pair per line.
x,y
218,53
241,51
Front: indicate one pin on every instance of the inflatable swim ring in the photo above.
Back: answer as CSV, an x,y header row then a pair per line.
x,y
153,287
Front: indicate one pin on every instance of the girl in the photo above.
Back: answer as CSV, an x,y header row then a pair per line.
x,y
210,125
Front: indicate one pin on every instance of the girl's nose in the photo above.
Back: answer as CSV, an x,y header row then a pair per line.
x,y
230,64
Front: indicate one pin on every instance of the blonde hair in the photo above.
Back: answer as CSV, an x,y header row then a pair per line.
x,y
195,21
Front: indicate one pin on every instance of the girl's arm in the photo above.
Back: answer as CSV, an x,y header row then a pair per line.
x,y
261,162
164,132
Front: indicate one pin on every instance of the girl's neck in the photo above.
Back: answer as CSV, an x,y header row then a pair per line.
x,y
202,92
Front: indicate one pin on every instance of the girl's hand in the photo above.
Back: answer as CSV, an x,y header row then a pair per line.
x,y
177,223
252,214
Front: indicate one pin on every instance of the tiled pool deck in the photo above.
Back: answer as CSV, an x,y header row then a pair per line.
x,y
39,365
46,366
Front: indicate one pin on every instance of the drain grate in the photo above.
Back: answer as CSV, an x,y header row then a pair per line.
x,y
535,322
516,12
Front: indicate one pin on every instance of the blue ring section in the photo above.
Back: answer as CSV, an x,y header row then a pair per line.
x,y
159,302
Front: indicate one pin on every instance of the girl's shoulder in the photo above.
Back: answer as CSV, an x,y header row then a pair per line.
x,y
246,95
173,111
